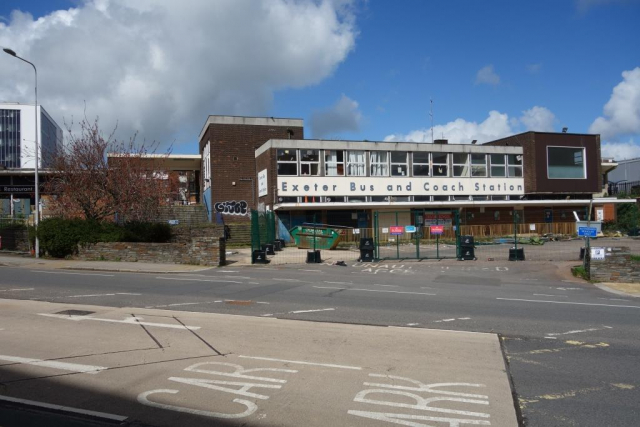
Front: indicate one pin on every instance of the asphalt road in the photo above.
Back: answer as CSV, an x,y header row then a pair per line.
x,y
572,348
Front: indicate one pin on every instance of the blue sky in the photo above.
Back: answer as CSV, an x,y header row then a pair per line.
x,y
352,70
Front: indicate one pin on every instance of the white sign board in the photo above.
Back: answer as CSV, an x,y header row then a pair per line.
x,y
356,231
597,253
600,214
385,230
289,186
532,227
263,187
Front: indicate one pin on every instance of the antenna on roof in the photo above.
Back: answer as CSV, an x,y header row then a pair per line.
x,y
431,114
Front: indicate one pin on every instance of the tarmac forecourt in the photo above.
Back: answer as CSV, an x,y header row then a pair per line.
x,y
167,368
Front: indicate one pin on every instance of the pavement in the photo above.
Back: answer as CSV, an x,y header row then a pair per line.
x,y
27,261
168,368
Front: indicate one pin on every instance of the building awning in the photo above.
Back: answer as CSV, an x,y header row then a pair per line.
x,y
518,204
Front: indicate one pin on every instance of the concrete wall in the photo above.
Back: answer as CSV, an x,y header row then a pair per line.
x,y
197,245
616,267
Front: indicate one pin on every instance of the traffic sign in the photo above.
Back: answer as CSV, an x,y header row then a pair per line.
x,y
410,228
396,230
587,231
437,229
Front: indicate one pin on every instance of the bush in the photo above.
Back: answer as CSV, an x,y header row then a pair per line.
x,y
61,237
579,271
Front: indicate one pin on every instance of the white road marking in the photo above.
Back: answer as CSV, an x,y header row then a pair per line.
x,y
17,289
339,283
96,414
390,286
567,302
549,295
299,362
579,331
228,271
126,321
315,271
287,280
373,290
551,338
253,283
53,364
615,299
182,303
464,318
311,311
413,324
262,302
240,277
198,280
102,295
75,274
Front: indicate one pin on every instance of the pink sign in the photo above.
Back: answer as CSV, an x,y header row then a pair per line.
x,y
396,230
437,229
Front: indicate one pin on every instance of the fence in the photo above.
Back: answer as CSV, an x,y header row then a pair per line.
x,y
263,229
629,188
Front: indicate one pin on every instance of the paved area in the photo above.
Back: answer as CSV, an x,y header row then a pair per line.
x,y
624,289
572,348
177,368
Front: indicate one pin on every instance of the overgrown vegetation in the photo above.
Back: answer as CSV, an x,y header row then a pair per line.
x,y
61,237
580,271
627,220
635,258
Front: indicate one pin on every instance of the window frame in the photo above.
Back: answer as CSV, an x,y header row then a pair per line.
x,y
584,160
278,162
363,163
509,165
309,163
414,163
384,165
336,163
446,164
396,164
467,165
503,165
472,165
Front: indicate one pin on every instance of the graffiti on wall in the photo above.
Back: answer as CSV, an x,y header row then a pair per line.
x,y
232,207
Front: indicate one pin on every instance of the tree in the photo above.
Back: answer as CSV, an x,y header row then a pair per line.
x,y
88,183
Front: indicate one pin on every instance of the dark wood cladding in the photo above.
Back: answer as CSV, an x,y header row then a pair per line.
x,y
233,158
534,146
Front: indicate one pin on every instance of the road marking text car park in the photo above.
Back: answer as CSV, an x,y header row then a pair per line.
x,y
387,396
241,385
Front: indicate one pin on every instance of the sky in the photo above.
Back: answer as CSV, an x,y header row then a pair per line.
x,y
352,69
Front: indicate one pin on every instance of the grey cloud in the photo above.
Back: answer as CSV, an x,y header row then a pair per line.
x,y
343,116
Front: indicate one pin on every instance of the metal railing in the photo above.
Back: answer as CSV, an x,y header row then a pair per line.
x,y
628,187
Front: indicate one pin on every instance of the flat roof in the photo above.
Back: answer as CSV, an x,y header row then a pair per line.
x,y
251,121
385,145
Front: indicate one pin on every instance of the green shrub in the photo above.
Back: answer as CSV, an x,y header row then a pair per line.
x,y
61,237
579,271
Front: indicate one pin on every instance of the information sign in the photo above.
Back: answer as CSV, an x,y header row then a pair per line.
x,y
437,229
410,228
587,231
396,230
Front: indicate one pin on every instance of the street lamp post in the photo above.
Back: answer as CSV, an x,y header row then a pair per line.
x,y
37,186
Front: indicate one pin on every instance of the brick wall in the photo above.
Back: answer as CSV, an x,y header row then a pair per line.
x,y
617,266
233,158
197,245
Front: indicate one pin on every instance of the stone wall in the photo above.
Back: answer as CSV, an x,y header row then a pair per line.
x,y
196,245
617,266
15,239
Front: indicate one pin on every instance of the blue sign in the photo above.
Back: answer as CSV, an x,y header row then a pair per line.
x,y
587,231
174,222
409,228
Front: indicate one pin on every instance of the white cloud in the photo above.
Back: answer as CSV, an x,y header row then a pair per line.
x,y
534,68
583,6
461,131
343,116
497,125
622,112
160,67
621,150
486,75
538,119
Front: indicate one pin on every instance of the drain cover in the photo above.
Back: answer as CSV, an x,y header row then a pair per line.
x,y
238,302
75,312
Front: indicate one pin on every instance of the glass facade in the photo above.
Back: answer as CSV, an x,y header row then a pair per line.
x,y
10,138
49,140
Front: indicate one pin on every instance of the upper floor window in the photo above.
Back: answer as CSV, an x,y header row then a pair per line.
x,y
399,163
460,164
515,165
333,163
287,162
356,163
421,163
498,165
566,163
440,164
478,165
379,163
309,162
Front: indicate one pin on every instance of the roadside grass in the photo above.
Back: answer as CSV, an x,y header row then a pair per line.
x,y
579,271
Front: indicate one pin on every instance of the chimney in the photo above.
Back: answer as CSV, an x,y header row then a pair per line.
x,y
441,141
